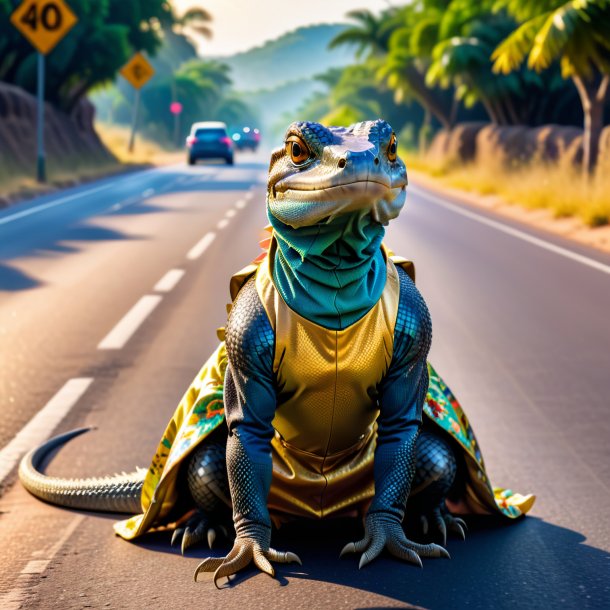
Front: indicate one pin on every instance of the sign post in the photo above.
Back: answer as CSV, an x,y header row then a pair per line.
x,y
44,23
41,174
176,108
137,71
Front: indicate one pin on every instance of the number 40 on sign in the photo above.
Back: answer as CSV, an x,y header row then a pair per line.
x,y
43,22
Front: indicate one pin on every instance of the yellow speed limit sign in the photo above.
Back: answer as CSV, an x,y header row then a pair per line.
x,y
137,71
43,22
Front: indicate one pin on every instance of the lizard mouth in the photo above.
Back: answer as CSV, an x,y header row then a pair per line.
x,y
380,199
355,190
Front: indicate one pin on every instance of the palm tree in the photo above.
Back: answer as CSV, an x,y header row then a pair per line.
x,y
576,33
387,40
370,35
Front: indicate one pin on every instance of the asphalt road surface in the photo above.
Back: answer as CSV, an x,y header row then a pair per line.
x,y
521,334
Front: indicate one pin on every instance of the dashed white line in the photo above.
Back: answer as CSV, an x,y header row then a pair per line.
x,y
43,423
248,195
536,241
201,246
223,223
241,204
15,598
130,322
169,280
230,213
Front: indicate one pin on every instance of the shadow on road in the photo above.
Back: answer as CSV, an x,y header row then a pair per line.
x,y
529,564
12,280
72,223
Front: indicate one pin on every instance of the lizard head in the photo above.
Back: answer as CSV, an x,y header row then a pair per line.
x,y
323,172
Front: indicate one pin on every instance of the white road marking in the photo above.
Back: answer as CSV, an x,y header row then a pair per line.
x,y
35,566
241,204
249,194
223,223
201,246
230,213
52,204
42,424
169,280
130,322
536,241
14,599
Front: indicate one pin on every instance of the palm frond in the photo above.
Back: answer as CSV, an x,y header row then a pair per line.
x,y
510,53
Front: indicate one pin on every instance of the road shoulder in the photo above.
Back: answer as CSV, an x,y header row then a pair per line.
x,y
569,228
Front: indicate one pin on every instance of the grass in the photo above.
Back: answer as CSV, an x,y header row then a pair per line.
x,y
64,173
69,171
563,191
116,140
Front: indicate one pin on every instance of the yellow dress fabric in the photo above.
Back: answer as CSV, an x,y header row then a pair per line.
x,y
200,411
322,465
325,430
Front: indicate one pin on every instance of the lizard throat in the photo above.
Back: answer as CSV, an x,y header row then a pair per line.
x,y
330,273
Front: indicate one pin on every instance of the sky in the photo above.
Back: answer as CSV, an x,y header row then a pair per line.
x,y
241,24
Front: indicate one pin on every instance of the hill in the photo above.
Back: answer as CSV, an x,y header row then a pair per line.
x,y
296,55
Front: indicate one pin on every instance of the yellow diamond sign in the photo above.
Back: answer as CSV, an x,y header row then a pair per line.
x,y
138,70
43,22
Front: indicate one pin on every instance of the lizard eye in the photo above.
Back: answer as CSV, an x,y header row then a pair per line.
x,y
392,148
297,150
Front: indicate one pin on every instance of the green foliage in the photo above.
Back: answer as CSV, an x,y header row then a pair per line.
x,y
575,32
106,35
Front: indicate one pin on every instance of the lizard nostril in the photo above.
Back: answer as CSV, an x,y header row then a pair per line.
x,y
376,161
342,163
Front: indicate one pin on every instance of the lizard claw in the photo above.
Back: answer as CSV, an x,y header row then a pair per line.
x,y
383,532
441,521
197,529
244,552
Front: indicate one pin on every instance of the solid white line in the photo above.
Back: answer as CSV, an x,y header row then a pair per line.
x,y
536,241
52,204
230,213
223,223
130,322
169,280
43,423
201,246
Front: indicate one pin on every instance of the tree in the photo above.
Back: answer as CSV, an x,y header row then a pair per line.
x,y
370,34
576,33
106,35
385,42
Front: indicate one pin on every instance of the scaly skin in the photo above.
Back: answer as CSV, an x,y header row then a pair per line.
x,y
319,177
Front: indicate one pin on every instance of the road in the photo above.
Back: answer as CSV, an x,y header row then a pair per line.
x,y
521,334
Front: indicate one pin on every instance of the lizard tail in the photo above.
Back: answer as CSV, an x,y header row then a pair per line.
x,y
117,494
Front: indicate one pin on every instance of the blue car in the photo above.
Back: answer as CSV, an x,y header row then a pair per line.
x,y
209,140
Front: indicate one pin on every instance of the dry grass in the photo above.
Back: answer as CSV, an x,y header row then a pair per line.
x,y
116,139
561,190
69,171
15,185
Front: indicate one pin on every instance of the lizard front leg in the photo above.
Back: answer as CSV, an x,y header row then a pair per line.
x,y
250,403
401,397
249,483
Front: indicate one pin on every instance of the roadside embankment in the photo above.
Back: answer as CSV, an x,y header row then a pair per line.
x,y
569,227
530,173
77,151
